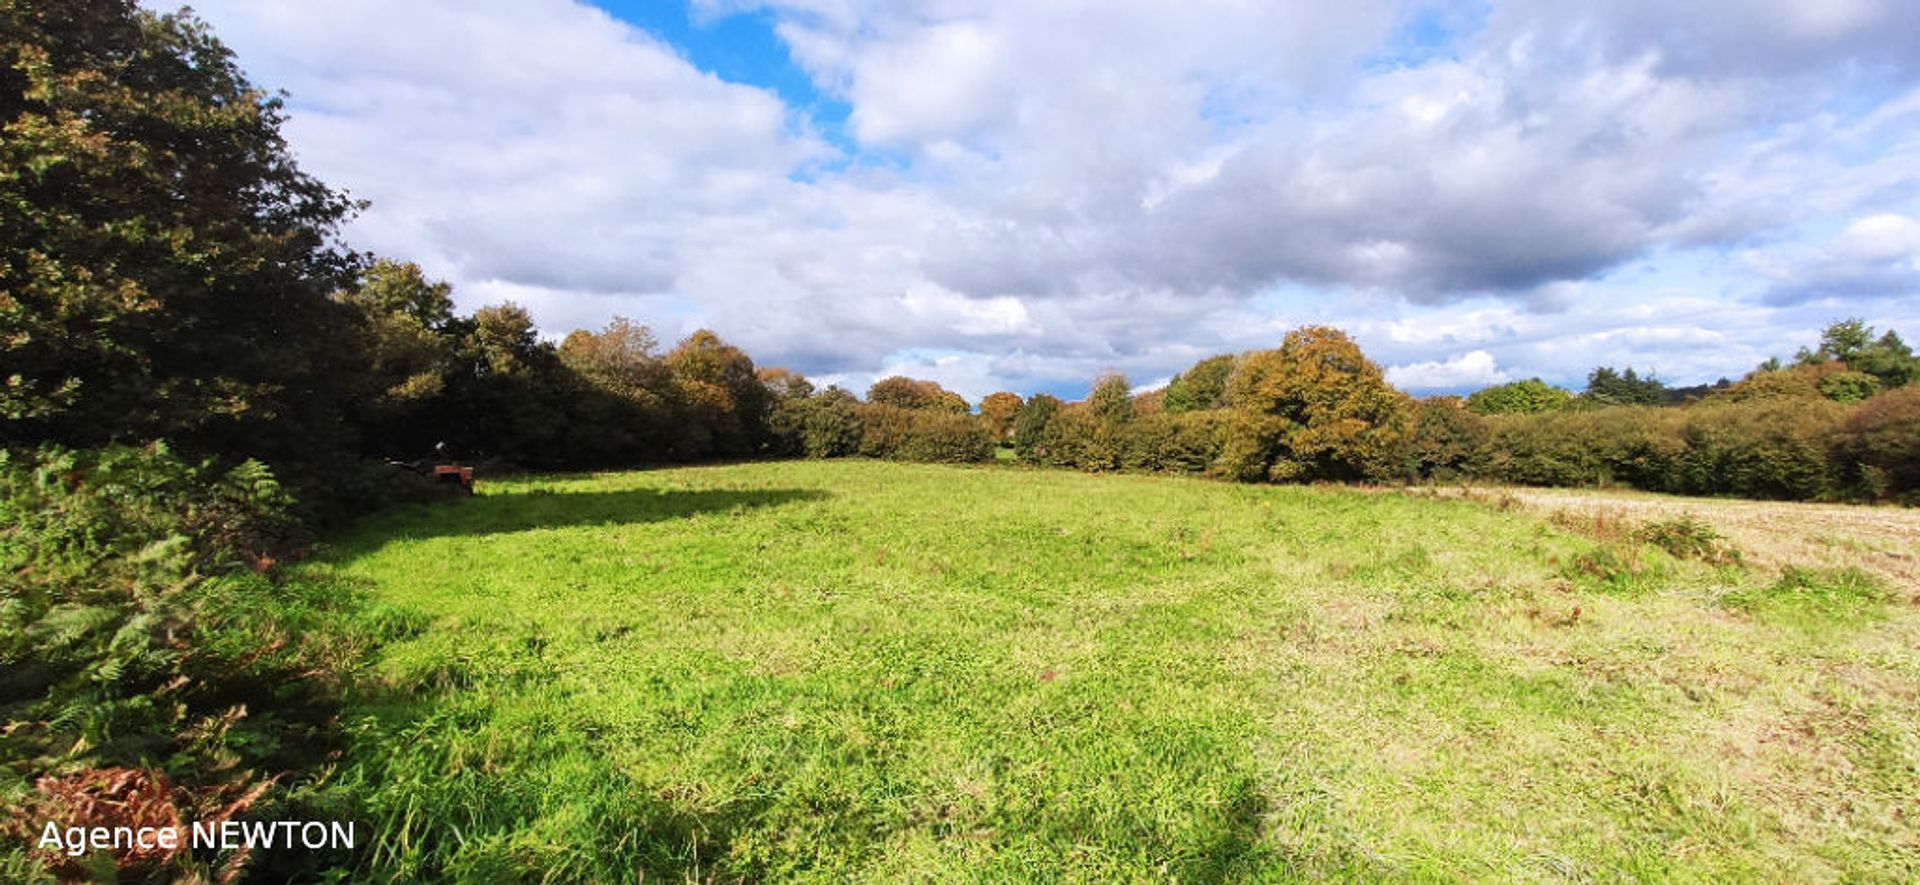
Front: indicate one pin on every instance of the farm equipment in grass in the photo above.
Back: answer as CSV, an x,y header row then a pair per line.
x,y
443,469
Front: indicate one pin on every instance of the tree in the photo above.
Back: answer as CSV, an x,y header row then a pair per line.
x,y
1841,340
784,384
625,403
998,411
165,266
1528,397
1031,426
1202,387
1448,439
411,345
1111,399
908,393
1881,444
721,393
1319,409
822,425
1607,386
624,359
1851,341
509,397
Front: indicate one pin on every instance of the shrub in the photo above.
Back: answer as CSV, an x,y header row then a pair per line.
x,y
1879,445
140,631
826,425
1794,382
1188,442
923,435
1528,397
1849,386
1200,388
1448,440
1768,448
1634,445
1075,437
998,412
1031,424
908,393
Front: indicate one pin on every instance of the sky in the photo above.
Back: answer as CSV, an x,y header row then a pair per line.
x,y
1021,194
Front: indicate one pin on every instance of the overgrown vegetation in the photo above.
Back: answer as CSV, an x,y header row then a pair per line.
x,y
148,644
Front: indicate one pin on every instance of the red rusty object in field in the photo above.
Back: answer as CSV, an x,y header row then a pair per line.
x,y
455,473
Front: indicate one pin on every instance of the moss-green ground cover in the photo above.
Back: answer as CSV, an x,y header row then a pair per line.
x,y
883,672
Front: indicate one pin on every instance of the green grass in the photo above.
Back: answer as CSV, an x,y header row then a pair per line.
x,y
883,672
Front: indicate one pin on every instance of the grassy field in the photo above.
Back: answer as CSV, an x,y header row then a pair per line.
x,y
885,672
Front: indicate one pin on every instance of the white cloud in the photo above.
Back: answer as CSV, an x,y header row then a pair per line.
x,y
1075,186
1475,368
1874,256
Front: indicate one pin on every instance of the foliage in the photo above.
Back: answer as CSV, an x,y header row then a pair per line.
x,y
824,425
1335,415
159,248
1448,439
141,632
1764,449
1076,437
909,393
1800,381
1632,445
1607,386
1531,396
1111,399
1852,343
1031,424
999,411
721,393
411,347
1202,387
1184,442
1879,445
1849,386
932,435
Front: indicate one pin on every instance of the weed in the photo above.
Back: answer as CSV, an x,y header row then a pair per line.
x,y
1687,537
1814,598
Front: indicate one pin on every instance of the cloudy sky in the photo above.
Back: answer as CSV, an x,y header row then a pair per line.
x,y
1021,193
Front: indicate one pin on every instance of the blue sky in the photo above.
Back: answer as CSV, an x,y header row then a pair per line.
x,y
1006,194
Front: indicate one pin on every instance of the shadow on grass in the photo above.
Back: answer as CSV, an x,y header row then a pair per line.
x,y
501,514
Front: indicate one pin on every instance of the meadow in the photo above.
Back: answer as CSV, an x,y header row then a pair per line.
x,y
872,671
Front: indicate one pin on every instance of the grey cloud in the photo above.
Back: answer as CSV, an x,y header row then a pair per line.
x,y
1114,184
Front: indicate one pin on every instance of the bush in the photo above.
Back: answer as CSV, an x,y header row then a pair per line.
x,y
1633,445
1448,439
1879,446
923,435
1186,442
1528,397
142,640
1031,424
1075,437
826,425
1769,448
